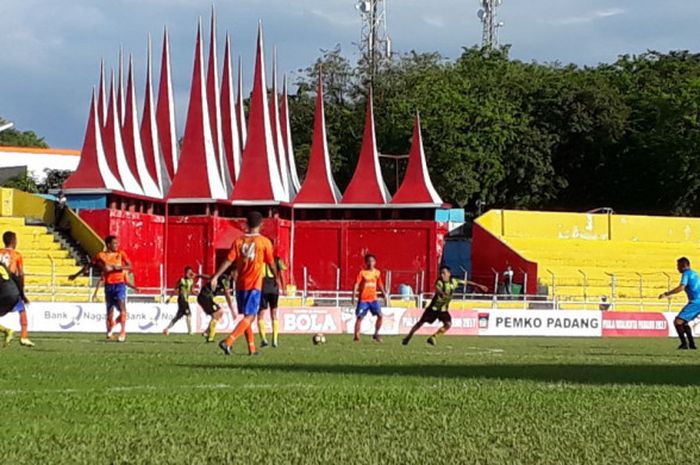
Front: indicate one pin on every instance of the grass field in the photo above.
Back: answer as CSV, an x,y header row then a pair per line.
x,y
78,399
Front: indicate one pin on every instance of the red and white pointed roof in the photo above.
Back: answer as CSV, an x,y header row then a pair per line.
x,y
240,107
197,178
416,187
102,97
213,102
93,173
259,181
280,149
319,188
165,112
131,137
114,147
120,88
229,122
287,137
367,184
149,133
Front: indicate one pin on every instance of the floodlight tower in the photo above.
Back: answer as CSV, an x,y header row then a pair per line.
x,y
5,126
375,43
487,14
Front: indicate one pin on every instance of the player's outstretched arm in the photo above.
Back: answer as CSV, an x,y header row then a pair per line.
x,y
481,287
81,272
676,290
222,268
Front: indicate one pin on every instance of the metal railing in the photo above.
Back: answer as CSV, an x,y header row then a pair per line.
x,y
615,291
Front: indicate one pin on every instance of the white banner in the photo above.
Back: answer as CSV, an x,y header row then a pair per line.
x,y
540,323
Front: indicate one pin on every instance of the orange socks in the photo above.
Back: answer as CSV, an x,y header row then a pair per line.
x,y
122,321
240,328
24,324
110,321
250,338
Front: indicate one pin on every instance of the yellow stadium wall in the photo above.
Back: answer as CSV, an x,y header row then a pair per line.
x,y
21,204
585,226
655,229
30,206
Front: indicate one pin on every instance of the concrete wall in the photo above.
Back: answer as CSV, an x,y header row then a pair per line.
x,y
37,160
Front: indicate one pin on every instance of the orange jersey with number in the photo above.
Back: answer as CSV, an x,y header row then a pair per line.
x,y
369,280
250,254
12,260
119,259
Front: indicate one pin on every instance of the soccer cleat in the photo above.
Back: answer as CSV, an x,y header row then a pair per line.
x,y
275,344
9,335
683,346
693,347
377,338
264,343
432,341
24,341
166,332
405,341
225,347
122,337
356,338
253,353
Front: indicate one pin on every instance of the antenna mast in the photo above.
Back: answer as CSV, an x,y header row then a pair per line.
x,y
375,43
488,16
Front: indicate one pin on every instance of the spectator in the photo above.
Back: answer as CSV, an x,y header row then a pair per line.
x,y
508,280
60,210
604,304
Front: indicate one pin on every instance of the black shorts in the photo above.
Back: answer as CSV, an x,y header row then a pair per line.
x,y
206,301
430,316
269,299
183,308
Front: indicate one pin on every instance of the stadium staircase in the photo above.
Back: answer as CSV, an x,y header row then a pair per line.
x,y
50,254
47,264
582,257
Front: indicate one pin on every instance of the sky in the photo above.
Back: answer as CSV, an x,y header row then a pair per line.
x,y
50,49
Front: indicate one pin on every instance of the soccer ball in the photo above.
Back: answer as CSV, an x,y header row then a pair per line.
x,y
318,339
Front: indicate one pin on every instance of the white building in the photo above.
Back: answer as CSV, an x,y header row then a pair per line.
x,y
35,160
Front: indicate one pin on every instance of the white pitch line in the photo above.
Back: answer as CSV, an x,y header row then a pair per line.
x,y
151,387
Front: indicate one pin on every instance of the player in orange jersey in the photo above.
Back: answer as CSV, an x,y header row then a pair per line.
x,y
369,280
15,265
114,264
250,254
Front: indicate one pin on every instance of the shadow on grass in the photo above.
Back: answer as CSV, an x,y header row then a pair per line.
x,y
587,374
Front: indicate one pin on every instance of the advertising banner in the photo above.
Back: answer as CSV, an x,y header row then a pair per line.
x,y
540,323
624,324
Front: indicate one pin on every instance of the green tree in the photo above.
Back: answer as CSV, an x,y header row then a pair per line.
x,y
14,138
54,179
23,182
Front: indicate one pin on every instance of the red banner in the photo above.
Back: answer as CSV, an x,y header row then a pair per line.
x,y
623,324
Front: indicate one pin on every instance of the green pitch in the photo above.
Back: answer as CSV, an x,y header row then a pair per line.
x,y
77,399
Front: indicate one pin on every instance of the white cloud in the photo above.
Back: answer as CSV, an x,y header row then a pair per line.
x,y
32,35
586,18
343,19
434,21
